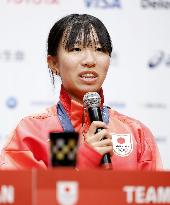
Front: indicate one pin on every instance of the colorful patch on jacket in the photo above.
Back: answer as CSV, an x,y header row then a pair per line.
x,y
122,144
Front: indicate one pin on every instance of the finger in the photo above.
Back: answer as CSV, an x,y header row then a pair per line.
x,y
103,143
97,137
103,150
103,134
94,125
100,135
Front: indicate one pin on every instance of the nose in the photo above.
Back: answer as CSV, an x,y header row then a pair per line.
x,y
89,60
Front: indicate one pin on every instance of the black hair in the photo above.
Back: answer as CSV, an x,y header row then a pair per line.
x,y
74,28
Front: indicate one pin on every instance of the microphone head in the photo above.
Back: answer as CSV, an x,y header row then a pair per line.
x,y
91,99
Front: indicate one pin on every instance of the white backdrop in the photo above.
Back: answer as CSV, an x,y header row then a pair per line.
x,y
139,71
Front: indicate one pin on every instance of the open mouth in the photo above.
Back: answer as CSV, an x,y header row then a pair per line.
x,y
88,75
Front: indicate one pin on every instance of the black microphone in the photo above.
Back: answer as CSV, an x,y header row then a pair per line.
x,y
92,102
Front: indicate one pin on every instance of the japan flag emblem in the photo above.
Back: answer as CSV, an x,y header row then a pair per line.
x,y
67,192
122,144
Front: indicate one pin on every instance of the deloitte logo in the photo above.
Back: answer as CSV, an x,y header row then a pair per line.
x,y
155,4
103,4
11,102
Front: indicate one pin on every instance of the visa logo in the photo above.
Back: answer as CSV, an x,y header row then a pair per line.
x,y
103,3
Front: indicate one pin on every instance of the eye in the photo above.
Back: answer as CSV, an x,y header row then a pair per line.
x,y
99,49
76,49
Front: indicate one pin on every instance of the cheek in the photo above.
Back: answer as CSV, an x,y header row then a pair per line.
x,y
67,71
65,66
68,63
105,65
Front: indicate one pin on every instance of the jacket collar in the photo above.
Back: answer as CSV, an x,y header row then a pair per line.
x,y
67,101
75,110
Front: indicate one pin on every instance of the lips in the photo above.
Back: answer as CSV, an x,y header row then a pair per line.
x,y
88,75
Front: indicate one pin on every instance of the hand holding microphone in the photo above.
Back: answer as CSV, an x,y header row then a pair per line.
x,y
98,136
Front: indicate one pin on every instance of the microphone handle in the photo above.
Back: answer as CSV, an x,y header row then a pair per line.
x,y
95,115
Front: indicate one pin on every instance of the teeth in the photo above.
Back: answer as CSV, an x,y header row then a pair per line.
x,y
88,75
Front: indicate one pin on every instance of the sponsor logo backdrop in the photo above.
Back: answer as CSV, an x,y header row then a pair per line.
x,y
139,71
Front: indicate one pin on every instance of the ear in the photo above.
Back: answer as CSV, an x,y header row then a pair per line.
x,y
52,64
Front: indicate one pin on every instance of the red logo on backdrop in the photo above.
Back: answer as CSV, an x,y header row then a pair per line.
x,y
67,192
35,2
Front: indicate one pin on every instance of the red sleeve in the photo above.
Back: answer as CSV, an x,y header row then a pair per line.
x,y
88,157
25,148
150,157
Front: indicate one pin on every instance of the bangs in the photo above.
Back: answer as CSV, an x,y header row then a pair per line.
x,y
87,35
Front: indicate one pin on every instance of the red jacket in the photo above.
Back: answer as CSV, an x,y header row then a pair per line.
x,y
28,144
